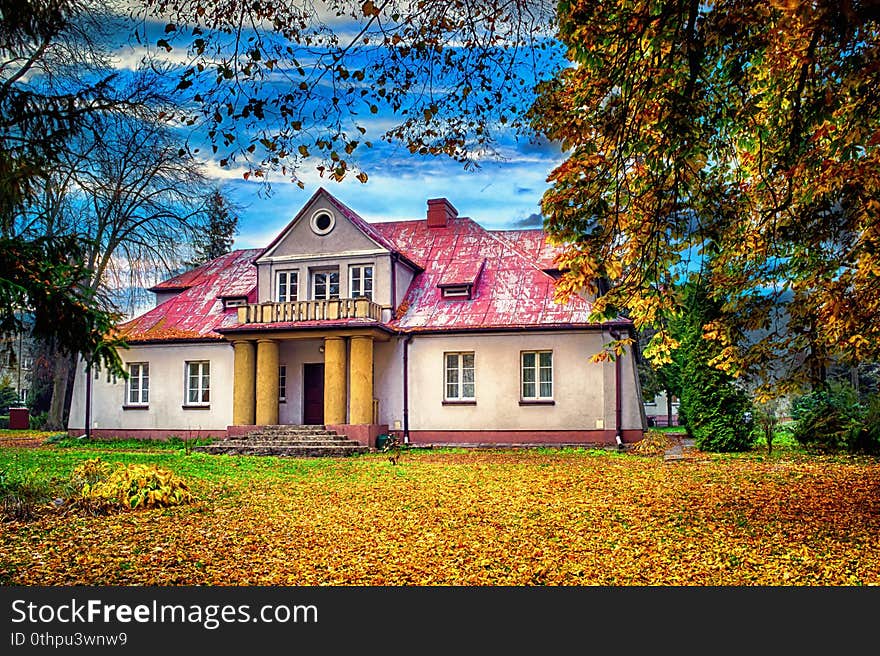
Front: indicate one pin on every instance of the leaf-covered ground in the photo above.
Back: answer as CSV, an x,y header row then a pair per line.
x,y
569,517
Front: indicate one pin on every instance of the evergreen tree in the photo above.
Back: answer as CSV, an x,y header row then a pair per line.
x,y
717,412
222,226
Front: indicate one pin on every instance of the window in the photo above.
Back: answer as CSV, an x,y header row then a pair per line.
x,y
456,291
198,383
138,384
286,286
234,302
361,282
459,376
537,375
322,222
282,383
325,285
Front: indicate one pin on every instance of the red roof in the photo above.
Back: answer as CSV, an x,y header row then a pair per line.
x,y
507,270
198,311
534,244
511,292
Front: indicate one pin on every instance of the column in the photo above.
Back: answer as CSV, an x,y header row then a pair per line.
x,y
361,380
243,383
334,380
267,382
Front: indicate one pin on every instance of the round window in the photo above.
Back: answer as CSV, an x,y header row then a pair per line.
x,y
322,222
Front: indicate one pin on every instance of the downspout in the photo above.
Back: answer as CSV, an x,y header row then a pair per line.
x,y
406,342
618,393
88,417
393,284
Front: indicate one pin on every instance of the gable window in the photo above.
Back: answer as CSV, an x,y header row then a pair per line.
x,y
322,222
138,386
537,375
282,383
361,282
198,383
286,286
459,376
325,285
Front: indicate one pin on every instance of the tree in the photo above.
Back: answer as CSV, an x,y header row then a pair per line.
x,y
219,233
124,190
741,137
275,83
94,192
52,79
663,378
8,395
718,413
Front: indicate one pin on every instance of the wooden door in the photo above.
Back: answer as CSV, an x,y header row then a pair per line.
x,y
313,393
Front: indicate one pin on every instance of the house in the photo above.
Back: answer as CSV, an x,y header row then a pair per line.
x,y
657,410
435,329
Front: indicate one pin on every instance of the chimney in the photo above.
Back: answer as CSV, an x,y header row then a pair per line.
x,y
440,211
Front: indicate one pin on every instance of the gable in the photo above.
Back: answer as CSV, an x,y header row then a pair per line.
x,y
324,227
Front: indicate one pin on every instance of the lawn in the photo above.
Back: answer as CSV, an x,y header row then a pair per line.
x,y
461,517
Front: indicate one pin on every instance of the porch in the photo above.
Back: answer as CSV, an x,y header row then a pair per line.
x,y
292,377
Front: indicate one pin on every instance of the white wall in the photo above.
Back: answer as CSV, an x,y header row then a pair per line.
x,y
583,391
167,380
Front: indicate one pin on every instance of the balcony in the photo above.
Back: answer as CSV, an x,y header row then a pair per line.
x,y
342,308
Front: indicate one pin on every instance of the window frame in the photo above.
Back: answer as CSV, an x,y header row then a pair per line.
x,y
328,285
141,388
204,371
282,383
537,382
362,279
460,382
291,285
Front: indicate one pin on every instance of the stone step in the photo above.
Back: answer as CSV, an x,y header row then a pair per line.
x,y
291,435
283,451
291,442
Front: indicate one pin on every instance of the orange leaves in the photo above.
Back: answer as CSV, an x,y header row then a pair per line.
x,y
558,517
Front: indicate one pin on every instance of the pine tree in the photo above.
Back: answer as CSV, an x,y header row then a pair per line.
x,y
221,230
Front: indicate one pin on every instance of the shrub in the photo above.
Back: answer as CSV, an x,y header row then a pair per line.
x,y
867,440
719,413
828,420
102,487
19,496
38,421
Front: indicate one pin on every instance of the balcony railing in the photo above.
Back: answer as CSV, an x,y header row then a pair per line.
x,y
342,308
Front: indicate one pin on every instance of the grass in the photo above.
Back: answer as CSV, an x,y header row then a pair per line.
x,y
456,517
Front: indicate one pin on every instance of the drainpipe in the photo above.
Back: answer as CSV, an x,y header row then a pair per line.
x,y
618,401
88,417
393,284
406,342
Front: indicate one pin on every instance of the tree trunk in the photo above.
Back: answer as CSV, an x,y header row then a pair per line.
x,y
62,389
668,408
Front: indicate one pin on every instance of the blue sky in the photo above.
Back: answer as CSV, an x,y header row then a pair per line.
x,y
498,194
501,192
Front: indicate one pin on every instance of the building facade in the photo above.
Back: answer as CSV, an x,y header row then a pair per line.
x,y
435,329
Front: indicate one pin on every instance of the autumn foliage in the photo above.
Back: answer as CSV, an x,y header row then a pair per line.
x,y
737,138
529,517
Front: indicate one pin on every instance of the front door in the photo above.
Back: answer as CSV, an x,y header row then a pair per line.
x,y
313,393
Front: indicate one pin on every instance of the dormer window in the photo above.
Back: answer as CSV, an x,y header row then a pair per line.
x,y
234,302
456,291
322,222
